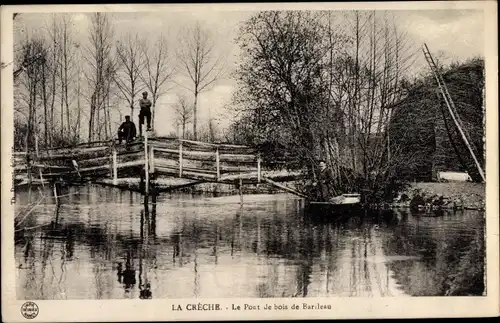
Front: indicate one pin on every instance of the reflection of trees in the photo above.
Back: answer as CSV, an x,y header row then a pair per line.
x,y
277,238
452,256
306,261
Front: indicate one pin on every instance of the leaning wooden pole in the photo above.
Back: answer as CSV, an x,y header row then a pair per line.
x,y
283,187
451,107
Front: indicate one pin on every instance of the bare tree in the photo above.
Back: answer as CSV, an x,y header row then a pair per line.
x,y
158,70
100,65
130,60
323,91
184,113
32,86
200,63
45,75
53,32
66,69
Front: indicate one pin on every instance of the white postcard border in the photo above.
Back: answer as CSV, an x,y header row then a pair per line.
x,y
158,309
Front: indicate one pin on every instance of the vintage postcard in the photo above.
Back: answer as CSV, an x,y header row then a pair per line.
x,y
249,161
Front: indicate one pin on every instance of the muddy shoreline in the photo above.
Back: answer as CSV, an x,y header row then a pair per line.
x,y
448,196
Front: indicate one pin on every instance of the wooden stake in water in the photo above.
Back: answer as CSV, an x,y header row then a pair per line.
x,y
146,163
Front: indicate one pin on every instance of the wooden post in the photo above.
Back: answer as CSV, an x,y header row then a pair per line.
x,y
115,168
146,164
180,159
241,191
217,162
258,169
151,159
55,192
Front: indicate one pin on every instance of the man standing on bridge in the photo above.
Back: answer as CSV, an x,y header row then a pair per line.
x,y
145,105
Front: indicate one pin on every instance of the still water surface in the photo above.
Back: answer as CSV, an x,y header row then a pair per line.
x,y
103,243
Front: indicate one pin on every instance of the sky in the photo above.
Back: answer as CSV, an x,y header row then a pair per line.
x,y
453,35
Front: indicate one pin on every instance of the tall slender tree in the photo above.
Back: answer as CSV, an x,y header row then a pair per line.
x,y
200,63
98,57
130,66
158,70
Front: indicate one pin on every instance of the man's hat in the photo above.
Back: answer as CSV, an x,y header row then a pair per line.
x,y
127,117
144,92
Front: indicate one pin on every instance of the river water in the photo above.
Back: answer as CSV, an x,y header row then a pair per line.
x,y
104,243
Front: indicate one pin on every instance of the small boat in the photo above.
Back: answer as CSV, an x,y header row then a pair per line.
x,y
339,205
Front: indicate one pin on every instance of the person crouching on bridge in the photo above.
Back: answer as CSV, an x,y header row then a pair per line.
x,y
145,105
126,131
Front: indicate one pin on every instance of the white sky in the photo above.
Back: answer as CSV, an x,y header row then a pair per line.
x,y
455,34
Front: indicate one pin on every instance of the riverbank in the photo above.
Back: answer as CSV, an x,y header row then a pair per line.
x,y
450,195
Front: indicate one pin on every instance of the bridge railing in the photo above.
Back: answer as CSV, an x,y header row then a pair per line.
x,y
211,161
176,157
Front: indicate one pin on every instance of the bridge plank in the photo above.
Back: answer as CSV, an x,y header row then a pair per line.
x,y
238,158
187,154
186,173
91,161
230,168
132,163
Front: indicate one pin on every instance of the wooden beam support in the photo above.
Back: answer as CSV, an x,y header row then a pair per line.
x,y
151,159
115,168
258,169
217,163
180,159
146,163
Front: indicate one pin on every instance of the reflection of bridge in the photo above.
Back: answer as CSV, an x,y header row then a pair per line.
x,y
191,161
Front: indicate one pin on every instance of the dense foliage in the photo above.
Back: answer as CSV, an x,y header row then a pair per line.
x,y
319,86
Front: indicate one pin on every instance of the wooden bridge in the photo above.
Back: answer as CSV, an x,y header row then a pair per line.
x,y
147,159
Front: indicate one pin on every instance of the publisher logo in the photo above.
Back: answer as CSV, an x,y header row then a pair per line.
x,y
29,310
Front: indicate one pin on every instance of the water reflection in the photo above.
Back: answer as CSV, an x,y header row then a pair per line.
x,y
101,243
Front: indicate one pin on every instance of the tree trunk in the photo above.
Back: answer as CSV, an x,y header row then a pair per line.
x,y
44,98
108,112
153,113
195,113
78,117
65,77
62,100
